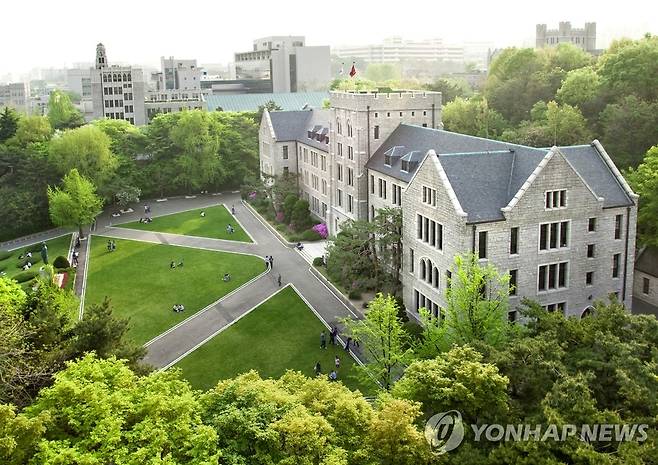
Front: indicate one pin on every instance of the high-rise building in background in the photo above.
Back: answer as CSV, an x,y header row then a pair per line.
x,y
16,95
117,91
287,63
176,87
395,49
584,38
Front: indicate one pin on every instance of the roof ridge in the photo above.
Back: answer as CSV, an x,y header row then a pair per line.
x,y
511,173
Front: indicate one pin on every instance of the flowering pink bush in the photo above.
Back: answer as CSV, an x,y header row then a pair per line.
x,y
252,195
321,229
280,217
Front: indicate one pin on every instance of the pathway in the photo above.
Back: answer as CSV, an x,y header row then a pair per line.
x,y
170,346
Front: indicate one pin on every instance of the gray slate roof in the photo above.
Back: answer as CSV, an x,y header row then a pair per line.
x,y
251,102
485,174
294,126
647,261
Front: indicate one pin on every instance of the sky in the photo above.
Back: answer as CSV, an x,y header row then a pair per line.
x,y
44,34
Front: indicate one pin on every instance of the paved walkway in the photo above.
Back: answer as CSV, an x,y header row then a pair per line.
x,y
170,346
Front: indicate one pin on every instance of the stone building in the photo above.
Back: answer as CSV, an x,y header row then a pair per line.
x,y
117,91
645,287
561,220
584,38
15,95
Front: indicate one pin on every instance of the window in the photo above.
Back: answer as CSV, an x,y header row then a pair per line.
x,y
339,197
513,277
382,188
349,129
305,155
339,149
324,186
324,210
339,127
618,220
512,315
350,177
424,112
556,199
411,260
388,114
590,250
376,132
591,225
350,203
514,241
429,196
430,232
589,278
372,184
560,307
448,279
552,276
615,265
413,113
429,273
553,235
339,172
350,152
323,162
482,244
397,195
645,286
285,152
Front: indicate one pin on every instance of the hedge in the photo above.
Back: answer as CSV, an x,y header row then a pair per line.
x,y
35,258
318,261
25,276
61,262
5,254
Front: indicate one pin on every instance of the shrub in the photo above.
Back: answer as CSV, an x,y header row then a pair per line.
x,y
25,276
321,229
289,205
5,254
317,261
354,294
301,216
310,235
61,262
36,258
280,217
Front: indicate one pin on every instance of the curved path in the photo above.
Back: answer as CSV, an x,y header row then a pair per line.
x,y
171,346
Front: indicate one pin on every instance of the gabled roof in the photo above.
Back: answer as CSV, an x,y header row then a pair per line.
x,y
295,126
647,261
486,174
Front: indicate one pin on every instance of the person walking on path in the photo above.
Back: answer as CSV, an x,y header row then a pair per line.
x,y
323,340
267,262
347,344
332,335
271,262
279,280
232,209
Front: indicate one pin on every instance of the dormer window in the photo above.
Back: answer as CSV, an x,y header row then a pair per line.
x,y
405,166
387,160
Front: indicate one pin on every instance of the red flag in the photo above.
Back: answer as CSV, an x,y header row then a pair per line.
x,y
353,70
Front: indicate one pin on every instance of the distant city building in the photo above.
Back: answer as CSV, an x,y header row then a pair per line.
x,y
287,62
584,38
16,95
395,49
177,88
176,74
117,91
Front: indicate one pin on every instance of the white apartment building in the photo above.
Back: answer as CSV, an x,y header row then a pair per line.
x,y
561,221
395,49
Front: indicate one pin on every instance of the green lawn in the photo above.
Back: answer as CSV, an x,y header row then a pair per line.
x,y
282,333
56,247
191,223
141,285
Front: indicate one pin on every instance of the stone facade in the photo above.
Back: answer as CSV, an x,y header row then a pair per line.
x,y
584,38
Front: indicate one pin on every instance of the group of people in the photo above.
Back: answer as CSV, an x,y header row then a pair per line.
x,y
111,245
333,340
173,264
269,262
147,219
178,308
226,278
333,374
230,229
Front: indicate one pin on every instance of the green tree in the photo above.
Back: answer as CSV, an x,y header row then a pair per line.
x,y
33,129
458,379
644,181
125,139
8,124
76,203
387,246
350,261
86,149
270,105
629,128
477,302
384,338
301,215
450,89
61,112
630,67
579,87
474,117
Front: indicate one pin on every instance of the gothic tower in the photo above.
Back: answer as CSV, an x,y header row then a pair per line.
x,y
101,59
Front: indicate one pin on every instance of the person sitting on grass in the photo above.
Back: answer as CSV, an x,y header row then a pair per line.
x,y
172,265
203,214
27,266
333,376
180,264
226,278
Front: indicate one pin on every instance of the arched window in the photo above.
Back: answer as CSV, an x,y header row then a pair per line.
x,y
349,129
422,269
104,77
435,281
587,312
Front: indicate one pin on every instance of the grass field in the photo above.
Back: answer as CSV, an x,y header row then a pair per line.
x,y
56,247
280,334
191,223
141,285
